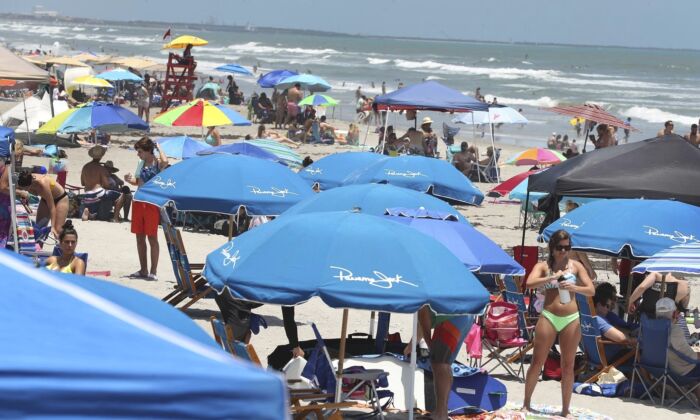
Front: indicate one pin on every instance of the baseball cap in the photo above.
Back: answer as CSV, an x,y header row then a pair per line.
x,y
665,308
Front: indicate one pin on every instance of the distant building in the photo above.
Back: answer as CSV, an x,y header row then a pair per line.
x,y
40,11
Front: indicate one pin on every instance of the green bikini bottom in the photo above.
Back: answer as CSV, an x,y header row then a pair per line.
x,y
560,322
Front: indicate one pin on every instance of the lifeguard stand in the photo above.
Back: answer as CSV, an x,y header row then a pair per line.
x,y
179,80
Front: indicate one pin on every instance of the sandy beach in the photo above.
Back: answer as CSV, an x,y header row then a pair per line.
x,y
111,247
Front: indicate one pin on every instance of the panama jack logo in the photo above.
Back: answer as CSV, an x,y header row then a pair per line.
x,y
567,223
314,171
405,174
380,279
676,236
230,258
164,185
273,191
587,328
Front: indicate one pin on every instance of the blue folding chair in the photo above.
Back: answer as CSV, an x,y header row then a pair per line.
x,y
594,346
652,357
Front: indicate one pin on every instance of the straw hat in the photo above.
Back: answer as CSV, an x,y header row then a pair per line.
x,y
97,152
109,165
426,120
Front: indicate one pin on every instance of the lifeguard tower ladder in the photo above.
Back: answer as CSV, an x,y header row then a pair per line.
x,y
179,81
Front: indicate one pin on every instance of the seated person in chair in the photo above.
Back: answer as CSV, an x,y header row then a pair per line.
x,y
95,178
676,288
327,130
464,159
415,141
604,301
67,262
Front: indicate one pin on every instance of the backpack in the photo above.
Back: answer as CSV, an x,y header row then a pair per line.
x,y
502,323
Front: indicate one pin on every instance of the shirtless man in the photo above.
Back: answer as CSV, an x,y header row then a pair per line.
x,y
605,138
693,137
415,141
95,179
464,159
668,129
294,95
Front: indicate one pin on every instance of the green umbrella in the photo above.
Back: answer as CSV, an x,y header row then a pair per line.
x,y
318,100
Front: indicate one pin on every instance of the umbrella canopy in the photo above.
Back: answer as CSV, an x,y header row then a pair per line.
x,y
536,156
591,112
246,149
284,153
429,96
32,113
372,199
658,168
473,248
183,40
82,347
307,81
269,80
505,187
342,258
118,75
494,115
629,228
330,171
209,90
677,259
91,81
181,147
13,67
519,192
94,115
201,113
433,176
318,100
234,68
221,183
65,61
138,63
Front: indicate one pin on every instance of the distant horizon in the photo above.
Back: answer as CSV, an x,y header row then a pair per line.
x,y
223,26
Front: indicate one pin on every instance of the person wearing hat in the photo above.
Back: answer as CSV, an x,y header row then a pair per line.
x,y
429,137
94,178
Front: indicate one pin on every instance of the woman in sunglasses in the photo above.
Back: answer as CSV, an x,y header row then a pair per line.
x,y
560,277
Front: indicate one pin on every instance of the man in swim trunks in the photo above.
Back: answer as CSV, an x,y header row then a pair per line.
x,y
294,95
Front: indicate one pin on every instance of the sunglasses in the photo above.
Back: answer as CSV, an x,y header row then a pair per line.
x,y
563,247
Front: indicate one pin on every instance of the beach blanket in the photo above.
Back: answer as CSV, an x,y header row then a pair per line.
x,y
539,412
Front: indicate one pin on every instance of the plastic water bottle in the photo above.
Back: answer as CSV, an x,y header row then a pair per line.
x,y
565,295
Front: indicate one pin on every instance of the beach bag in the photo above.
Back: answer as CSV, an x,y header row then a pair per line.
x,y
552,367
473,341
502,323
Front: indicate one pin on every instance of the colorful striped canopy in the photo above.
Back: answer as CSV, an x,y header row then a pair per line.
x,y
201,113
106,117
318,100
591,112
676,259
536,156
286,154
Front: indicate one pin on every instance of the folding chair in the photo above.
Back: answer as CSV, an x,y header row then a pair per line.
x,y
506,354
653,349
319,370
594,346
490,171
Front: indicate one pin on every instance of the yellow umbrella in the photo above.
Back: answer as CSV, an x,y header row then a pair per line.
x,y
577,120
182,41
93,81
68,61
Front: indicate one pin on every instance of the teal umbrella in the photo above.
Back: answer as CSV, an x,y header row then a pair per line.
x,y
286,154
319,100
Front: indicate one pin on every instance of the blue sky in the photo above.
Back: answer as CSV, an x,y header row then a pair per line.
x,y
631,23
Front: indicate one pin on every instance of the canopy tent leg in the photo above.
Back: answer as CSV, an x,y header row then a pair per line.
x,y
386,124
493,151
411,401
365,141
341,359
13,198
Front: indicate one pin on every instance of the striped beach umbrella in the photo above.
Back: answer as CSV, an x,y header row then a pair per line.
x,y
94,115
91,81
318,100
676,259
201,113
286,154
536,156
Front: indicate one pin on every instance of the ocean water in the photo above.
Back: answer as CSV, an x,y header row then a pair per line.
x,y
648,85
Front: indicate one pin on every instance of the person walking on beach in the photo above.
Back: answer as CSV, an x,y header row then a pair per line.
x,y
358,93
383,88
145,217
142,101
559,277
628,124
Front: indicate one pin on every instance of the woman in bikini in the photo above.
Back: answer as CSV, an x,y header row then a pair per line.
x,y
54,199
67,262
557,318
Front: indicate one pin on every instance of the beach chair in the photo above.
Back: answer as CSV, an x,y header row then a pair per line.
x,y
651,359
595,346
320,371
489,172
190,283
509,354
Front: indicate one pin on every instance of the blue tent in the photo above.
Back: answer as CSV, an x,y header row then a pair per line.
x,y
7,139
432,176
270,80
330,171
429,96
79,347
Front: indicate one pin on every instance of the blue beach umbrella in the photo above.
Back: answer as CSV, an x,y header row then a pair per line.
x,y
270,80
81,347
676,259
373,199
433,176
307,81
330,171
342,257
283,152
629,227
473,248
246,149
520,193
181,147
221,183
106,117
234,68
118,75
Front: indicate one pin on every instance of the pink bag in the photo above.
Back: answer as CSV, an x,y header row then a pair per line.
x,y
473,341
502,323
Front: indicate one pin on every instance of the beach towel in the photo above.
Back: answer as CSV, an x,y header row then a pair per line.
x,y
539,412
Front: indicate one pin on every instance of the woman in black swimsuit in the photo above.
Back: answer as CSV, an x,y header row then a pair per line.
x,y
54,199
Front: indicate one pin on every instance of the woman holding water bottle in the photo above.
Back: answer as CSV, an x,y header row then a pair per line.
x,y
560,277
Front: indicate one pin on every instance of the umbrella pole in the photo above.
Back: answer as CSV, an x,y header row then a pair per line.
x,y
493,151
13,203
527,204
26,121
341,359
386,124
410,402
365,141
585,139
